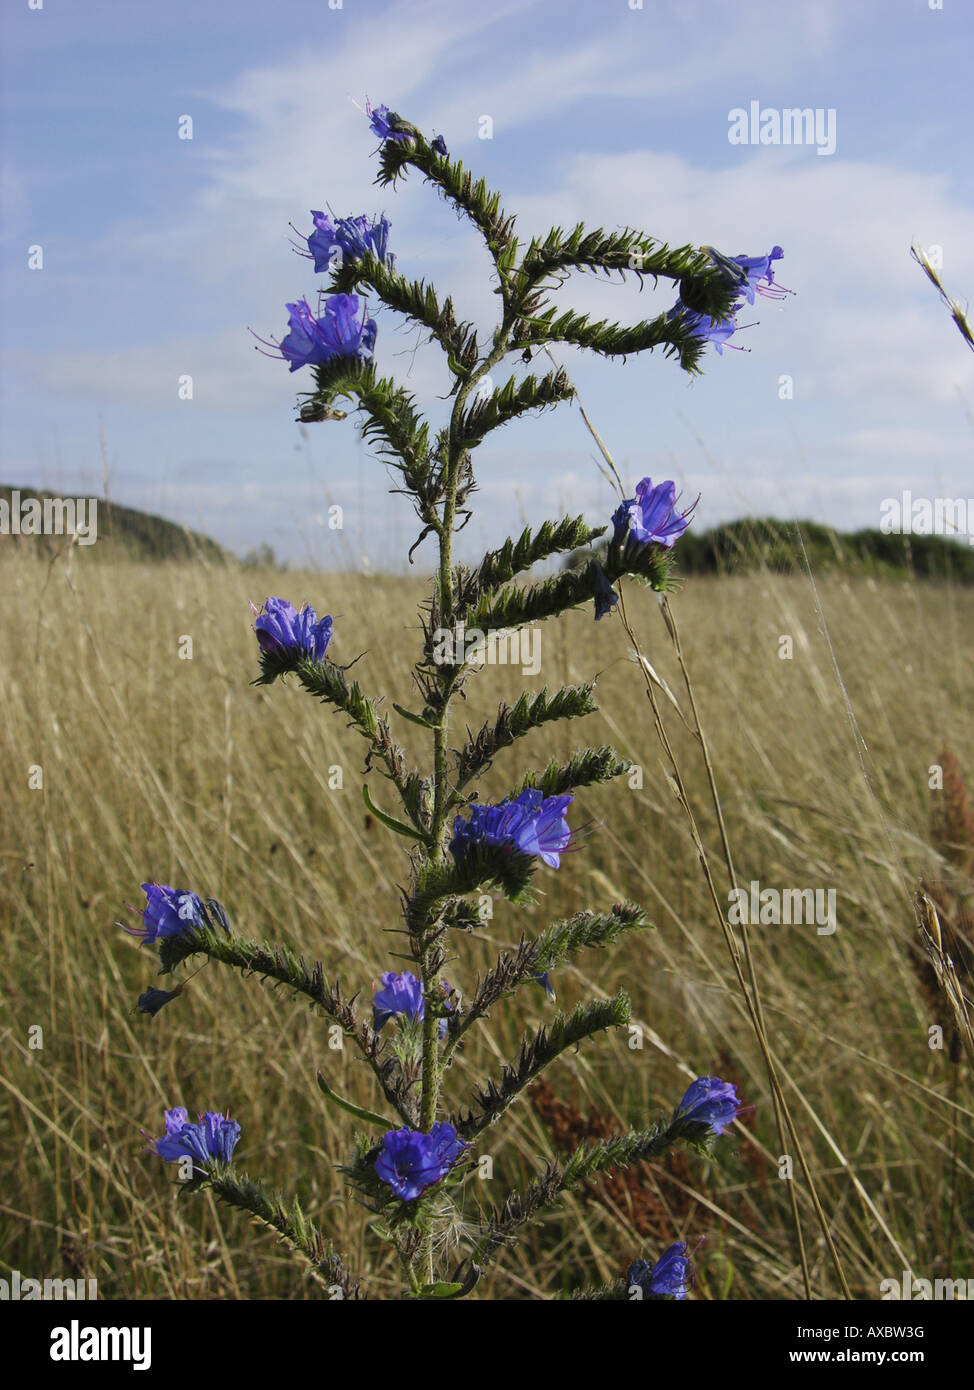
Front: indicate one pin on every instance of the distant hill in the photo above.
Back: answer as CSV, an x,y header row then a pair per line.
x,y
743,545
761,542
121,531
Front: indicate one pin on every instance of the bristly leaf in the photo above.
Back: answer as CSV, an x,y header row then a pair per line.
x,y
516,607
285,1217
676,336
456,184
328,683
547,1044
281,964
513,399
585,768
626,252
402,435
416,300
514,557
583,931
338,377
544,1192
515,721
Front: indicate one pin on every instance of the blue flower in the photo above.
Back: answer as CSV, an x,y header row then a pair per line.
x,y
403,994
651,515
752,273
605,596
716,331
213,1137
439,145
379,122
336,332
168,912
280,627
710,1101
155,999
411,1161
351,238
495,826
668,1277
544,830
529,824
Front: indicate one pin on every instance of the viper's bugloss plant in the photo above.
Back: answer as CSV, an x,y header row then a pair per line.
x,y
417,1148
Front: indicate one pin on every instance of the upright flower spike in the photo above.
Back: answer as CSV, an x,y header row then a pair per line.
x,y
214,1136
651,516
403,995
667,1278
168,912
710,1101
280,628
411,1161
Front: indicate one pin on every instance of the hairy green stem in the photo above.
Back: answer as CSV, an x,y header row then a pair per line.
x,y
432,1065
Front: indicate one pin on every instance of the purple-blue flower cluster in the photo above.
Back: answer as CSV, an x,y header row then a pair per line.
x,y
403,995
716,331
411,1161
168,912
751,275
336,332
280,628
710,1101
531,823
379,117
650,516
212,1137
667,1278
348,239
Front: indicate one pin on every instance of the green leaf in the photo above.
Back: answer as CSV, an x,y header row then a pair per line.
x,y
441,1289
369,1116
390,822
413,718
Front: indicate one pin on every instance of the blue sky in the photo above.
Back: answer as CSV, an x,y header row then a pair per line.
x,y
160,253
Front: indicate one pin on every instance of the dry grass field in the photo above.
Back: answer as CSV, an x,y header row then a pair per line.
x,y
182,771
